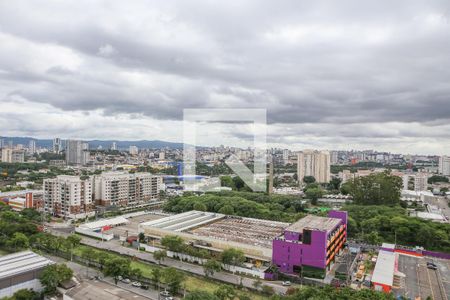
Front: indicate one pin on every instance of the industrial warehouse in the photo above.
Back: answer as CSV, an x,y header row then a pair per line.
x,y
312,241
217,232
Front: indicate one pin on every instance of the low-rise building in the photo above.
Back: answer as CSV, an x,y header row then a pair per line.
x,y
21,270
311,244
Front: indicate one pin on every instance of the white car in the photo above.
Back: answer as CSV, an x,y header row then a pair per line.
x,y
165,294
136,284
286,283
126,280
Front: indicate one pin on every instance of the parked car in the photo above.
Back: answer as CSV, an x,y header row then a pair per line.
x,y
286,283
145,287
126,280
429,263
432,267
136,284
165,294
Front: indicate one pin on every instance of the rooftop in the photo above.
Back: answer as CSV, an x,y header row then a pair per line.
x,y
385,268
314,222
21,262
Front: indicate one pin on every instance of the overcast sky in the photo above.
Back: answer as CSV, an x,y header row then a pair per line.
x,y
331,74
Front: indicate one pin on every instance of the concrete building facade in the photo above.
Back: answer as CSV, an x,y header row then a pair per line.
x,y
444,165
310,243
69,197
77,152
123,189
314,163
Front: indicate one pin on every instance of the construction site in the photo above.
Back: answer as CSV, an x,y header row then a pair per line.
x,y
217,232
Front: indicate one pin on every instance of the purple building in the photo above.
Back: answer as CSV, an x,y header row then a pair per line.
x,y
310,243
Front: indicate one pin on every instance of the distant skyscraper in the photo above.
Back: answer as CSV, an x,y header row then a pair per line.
x,y
77,152
32,146
314,163
57,145
2,143
114,146
162,155
133,150
444,165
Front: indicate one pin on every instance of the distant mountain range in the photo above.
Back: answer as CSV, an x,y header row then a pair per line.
x,y
94,144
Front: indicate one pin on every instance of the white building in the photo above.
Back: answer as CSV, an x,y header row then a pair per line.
x,y
114,146
69,197
77,152
124,189
162,155
10,155
133,150
420,181
32,147
314,163
21,270
444,165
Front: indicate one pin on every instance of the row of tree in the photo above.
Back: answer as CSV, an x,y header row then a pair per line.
x,y
245,204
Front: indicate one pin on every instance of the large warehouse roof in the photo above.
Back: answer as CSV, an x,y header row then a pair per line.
x,y
21,262
385,268
106,222
184,221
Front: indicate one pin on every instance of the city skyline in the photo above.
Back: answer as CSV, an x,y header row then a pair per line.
x,y
372,76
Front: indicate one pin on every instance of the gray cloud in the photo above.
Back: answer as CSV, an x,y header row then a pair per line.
x,y
319,68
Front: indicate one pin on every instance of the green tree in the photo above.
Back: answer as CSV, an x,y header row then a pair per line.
x,y
25,294
73,241
232,256
314,194
200,206
226,210
173,243
53,275
225,292
309,179
19,241
159,255
116,267
376,189
211,266
141,237
173,279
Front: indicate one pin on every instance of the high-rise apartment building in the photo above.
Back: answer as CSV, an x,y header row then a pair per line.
x,y
77,152
114,146
133,150
32,147
420,182
314,163
69,197
125,189
57,146
10,155
444,165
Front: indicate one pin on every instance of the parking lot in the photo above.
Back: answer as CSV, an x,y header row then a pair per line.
x,y
423,282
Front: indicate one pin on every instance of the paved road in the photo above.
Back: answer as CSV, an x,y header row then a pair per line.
x,y
421,281
86,273
115,246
